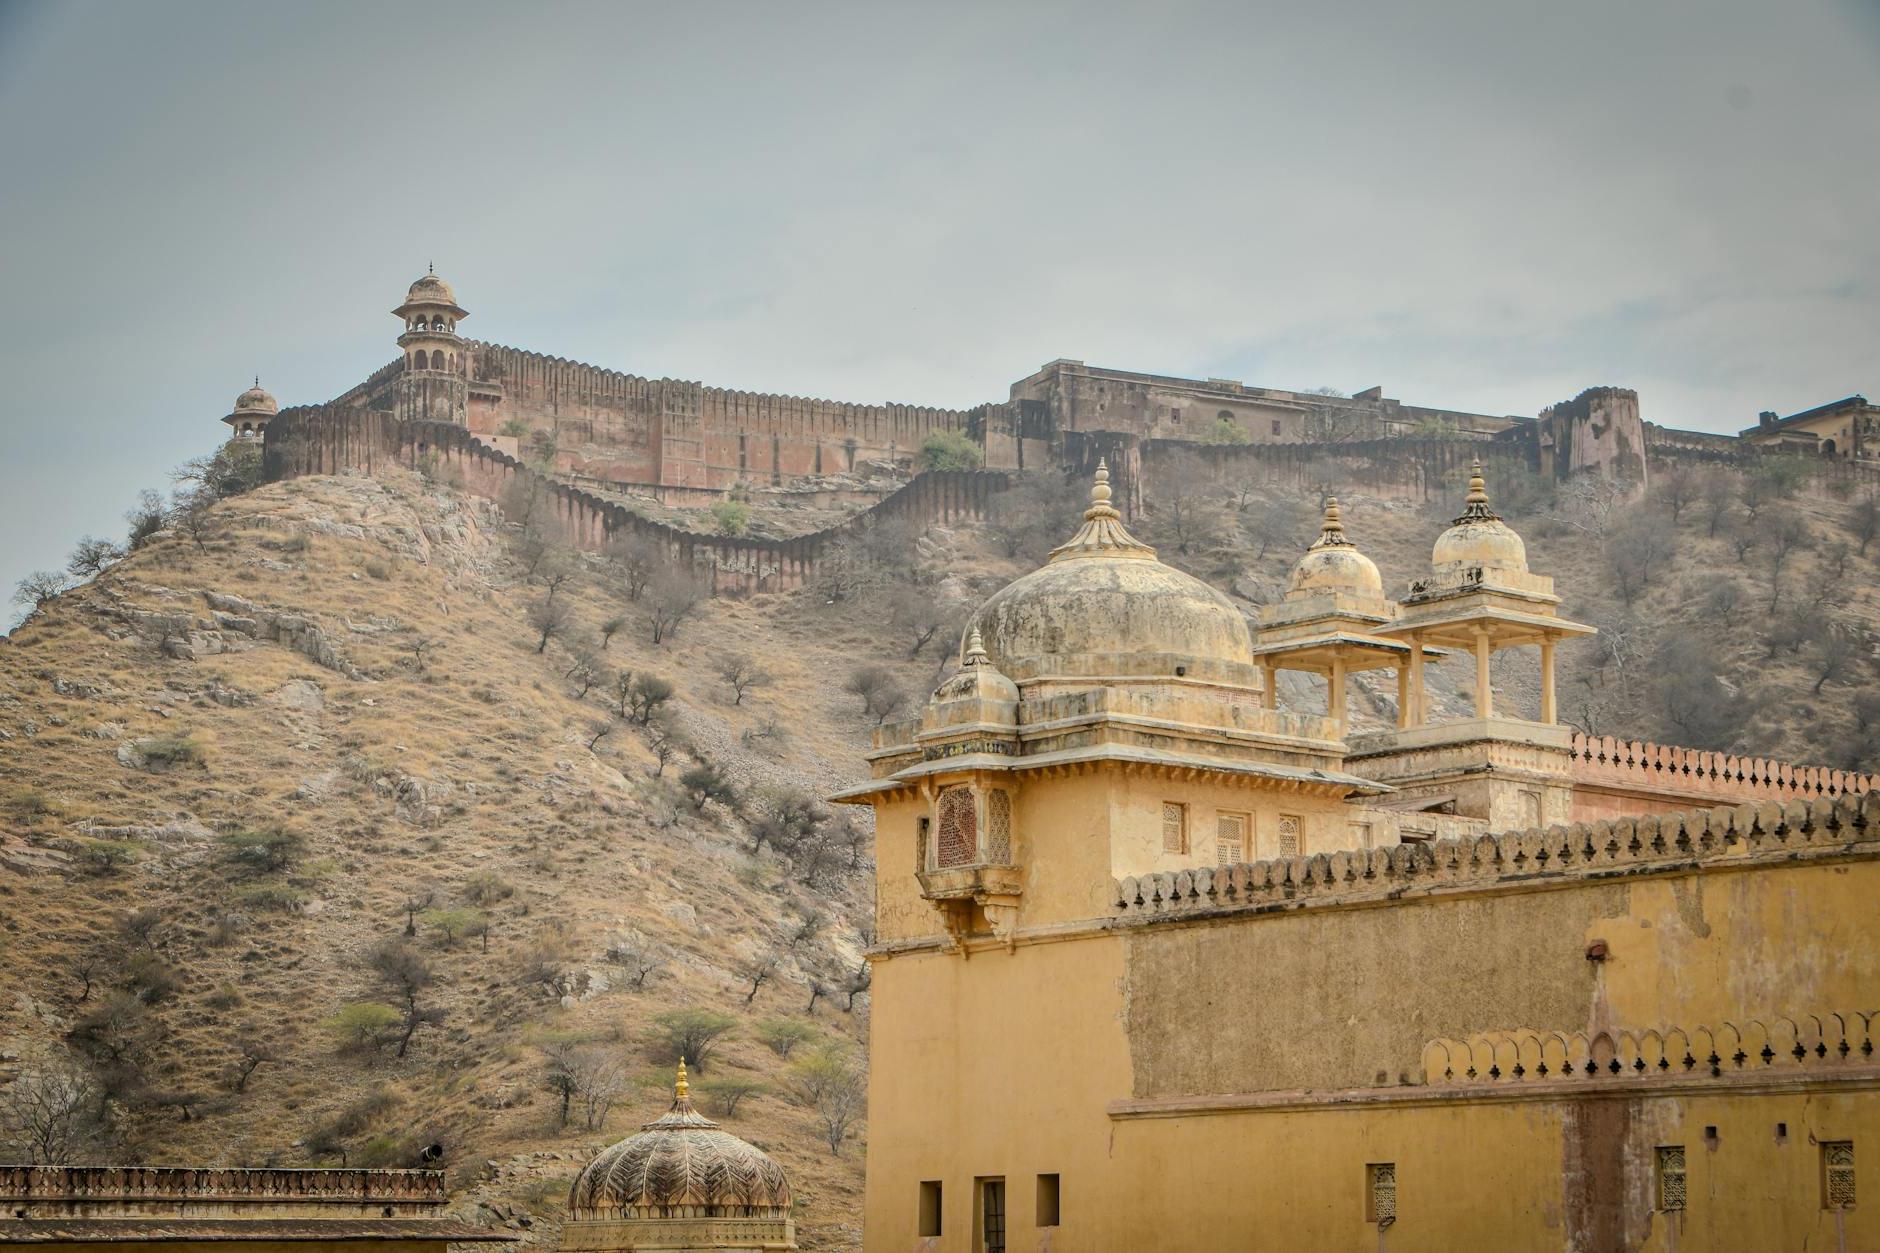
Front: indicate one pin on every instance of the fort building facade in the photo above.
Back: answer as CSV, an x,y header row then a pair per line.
x,y
1163,965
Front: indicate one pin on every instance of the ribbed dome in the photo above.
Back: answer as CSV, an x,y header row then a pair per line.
x,y
680,1165
1104,597
1333,564
1479,537
256,400
431,290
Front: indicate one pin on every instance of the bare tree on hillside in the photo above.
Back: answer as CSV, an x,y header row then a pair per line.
x,y
1716,498
1676,487
741,674
611,627
93,557
1784,536
1864,522
407,975
549,618
1834,653
1185,510
670,598
635,560
881,693
665,740
1637,548
1692,699
39,588
1036,512
48,1113
148,516
834,1084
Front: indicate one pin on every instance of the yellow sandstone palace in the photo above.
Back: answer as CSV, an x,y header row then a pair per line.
x,y
1161,965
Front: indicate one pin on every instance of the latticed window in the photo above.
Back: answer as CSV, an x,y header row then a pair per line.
x,y
1230,839
999,826
1670,1176
958,842
1837,1174
1380,1203
1289,835
1174,827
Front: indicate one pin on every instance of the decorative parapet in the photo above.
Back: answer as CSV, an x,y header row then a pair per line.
x,y
183,1183
1637,764
1773,1045
1653,843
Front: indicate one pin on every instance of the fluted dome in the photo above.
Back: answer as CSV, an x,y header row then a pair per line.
x,y
1478,537
428,293
1333,565
680,1165
256,400
431,290
1104,605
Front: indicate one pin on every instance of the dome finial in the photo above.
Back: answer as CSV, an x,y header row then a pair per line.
x,y
1332,533
680,1089
1475,504
976,649
257,380
1103,533
430,267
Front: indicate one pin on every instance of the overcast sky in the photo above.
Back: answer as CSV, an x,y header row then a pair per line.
x,y
1485,206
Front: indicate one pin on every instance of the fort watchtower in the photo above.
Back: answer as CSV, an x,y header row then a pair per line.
x,y
434,387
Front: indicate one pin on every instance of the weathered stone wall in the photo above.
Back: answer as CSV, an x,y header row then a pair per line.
x,y
1599,431
328,440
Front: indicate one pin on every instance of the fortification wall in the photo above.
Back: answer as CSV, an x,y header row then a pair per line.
x,y
1598,430
328,440
1402,469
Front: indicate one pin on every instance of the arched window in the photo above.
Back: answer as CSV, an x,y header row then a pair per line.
x,y
422,360
958,844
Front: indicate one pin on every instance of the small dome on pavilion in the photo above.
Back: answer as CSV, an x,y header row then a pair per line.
x,y
256,400
1479,538
1103,598
977,677
430,292
1333,564
680,1165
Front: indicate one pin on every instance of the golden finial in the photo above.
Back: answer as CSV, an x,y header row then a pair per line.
x,y
680,1091
976,649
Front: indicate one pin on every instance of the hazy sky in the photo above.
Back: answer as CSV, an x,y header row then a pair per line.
x,y
1486,206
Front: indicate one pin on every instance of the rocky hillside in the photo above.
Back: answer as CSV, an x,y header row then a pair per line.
x,y
356,821
235,768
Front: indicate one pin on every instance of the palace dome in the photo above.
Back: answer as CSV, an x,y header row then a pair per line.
x,y
680,1165
1104,605
1479,537
1333,565
257,400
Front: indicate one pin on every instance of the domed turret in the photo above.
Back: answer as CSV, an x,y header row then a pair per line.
x,y
435,387
1104,606
681,1166
1333,565
1478,538
254,409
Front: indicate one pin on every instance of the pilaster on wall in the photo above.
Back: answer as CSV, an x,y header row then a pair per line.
x,y
328,440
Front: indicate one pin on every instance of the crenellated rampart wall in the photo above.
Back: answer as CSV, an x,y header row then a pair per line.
x,y
328,440
1618,778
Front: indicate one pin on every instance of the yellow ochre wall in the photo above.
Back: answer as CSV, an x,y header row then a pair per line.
x,y
1006,1063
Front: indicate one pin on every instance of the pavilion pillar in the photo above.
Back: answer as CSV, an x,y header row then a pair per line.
x,y
1548,712
1270,696
1403,695
1417,711
1484,693
1336,695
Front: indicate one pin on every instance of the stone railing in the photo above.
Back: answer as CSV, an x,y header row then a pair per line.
x,y
1651,843
1635,763
184,1183
1774,1044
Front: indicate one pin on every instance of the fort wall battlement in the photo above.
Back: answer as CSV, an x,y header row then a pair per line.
x,y
329,439
1699,839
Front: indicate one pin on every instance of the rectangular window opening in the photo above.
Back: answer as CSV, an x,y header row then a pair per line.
x,y
991,1222
1230,839
1174,827
1047,1200
930,1207
1837,1174
1671,1176
1290,843
1380,1193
